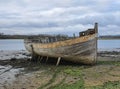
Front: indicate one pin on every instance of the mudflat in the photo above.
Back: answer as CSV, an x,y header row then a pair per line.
x,y
18,72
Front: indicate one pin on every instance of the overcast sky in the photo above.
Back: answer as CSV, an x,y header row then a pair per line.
x,y
59,16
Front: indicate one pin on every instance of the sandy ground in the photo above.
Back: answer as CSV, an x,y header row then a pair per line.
x,y
17,72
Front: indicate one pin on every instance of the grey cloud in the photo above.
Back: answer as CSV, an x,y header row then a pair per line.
x,y
41,16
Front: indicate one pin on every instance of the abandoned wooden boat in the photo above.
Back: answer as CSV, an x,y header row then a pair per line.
x,y
82,49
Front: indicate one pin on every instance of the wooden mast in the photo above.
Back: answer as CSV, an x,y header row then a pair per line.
x,y
96,38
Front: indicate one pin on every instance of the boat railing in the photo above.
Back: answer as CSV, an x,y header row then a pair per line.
x,y
47,39
50,39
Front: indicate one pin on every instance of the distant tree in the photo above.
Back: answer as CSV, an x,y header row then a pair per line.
x,y
1,34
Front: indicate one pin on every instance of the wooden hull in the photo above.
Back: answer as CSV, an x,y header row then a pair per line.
x,y
81,50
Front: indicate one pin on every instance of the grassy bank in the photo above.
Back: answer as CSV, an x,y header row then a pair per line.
x,y
100,76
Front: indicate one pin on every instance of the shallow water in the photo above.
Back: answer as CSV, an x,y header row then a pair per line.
x,y
12,44
108,45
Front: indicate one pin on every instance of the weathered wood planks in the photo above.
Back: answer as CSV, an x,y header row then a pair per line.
x,y
81,49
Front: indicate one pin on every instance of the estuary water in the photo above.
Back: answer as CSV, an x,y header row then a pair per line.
x,y
12,44
109,45
18,44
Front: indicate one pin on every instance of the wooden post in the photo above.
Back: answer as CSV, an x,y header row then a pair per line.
x,y
33,55
47,59
74,35
38,58
96,27
96,38
58,61
41,58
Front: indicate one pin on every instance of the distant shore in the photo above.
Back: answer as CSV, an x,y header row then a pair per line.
x,y
109,37
106,37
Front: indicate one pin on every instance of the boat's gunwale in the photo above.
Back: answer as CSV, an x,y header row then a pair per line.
x,y
65,42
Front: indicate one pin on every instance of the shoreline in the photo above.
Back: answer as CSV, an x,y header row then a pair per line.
x,y
16,71
17,54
